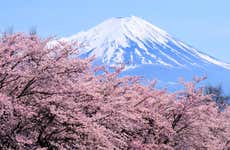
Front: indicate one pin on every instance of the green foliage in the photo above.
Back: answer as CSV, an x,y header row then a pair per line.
x,y
218,95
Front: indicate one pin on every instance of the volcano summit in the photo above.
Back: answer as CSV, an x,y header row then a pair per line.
x,y
148,51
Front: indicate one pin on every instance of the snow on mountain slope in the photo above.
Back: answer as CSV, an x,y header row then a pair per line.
x,y
136,42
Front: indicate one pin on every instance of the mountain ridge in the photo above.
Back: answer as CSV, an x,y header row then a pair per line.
x,y
150,52
134,41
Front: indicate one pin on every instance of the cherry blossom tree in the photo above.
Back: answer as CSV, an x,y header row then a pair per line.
x,y
52,100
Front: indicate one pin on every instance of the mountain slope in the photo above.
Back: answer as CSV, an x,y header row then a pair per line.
x,y
134,41
148,51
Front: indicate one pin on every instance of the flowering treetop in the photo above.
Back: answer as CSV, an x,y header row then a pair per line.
x,y
50,100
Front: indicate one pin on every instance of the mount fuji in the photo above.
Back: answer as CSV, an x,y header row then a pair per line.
x,y
150,52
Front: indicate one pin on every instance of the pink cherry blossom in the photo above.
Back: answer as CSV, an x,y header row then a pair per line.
x,y
52,100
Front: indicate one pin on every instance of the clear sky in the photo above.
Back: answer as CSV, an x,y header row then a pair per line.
x,y
204,24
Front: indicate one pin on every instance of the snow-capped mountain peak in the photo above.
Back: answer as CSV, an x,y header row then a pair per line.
x,y
134,41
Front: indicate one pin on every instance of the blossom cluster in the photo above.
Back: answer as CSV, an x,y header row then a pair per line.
x,y
50,100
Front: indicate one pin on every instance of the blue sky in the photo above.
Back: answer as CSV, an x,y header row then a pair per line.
x,y
204,24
